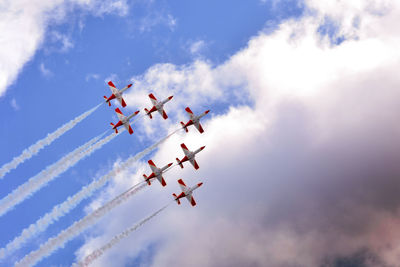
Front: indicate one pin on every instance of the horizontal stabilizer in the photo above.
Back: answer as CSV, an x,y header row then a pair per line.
x,y
146,179
177,200
184,126
148,113
179,163
107,101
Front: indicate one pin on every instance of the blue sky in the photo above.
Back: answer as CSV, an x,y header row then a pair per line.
x,y
274,74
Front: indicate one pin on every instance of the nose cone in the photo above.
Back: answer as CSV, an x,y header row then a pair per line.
x,y
201,148
170,97
129,85
207,111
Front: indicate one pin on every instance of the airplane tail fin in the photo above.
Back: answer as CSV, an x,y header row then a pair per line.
x,y
179,163
177,200
145,178
183,126
147,113
109,103
112,124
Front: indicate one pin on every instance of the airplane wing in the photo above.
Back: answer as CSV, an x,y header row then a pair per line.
x,y
162,113
121,101
198,126
152,166
194,163
119,114
189,111
114,89
128,127
185,149
161,180
182,185
190,198
153,99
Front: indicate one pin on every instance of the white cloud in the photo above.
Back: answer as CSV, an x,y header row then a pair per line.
x,y
63,39
156,18
14,104
23,25
306,172
45,71
197,46
91,76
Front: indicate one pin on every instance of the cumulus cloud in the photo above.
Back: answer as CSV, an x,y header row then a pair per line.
x,y
303,173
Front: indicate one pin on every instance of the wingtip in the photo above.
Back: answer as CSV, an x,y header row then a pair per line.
x,y
129,85
207,111
200,184
170,97
201,148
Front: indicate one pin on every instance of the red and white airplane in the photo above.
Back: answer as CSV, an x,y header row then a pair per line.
x,y
116,94
194,120
157,105
186,192
156,173
123,120
189,156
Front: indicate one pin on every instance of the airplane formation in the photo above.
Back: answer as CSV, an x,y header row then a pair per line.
x,y
159,106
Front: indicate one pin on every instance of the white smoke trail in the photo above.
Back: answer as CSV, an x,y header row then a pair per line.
x,y
36,182
39,145
62,209
100,251
76,228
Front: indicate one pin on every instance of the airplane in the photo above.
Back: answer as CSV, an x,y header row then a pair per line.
x,y
194,120
186,192
157,105
156,173
116,94
189,156
123,120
